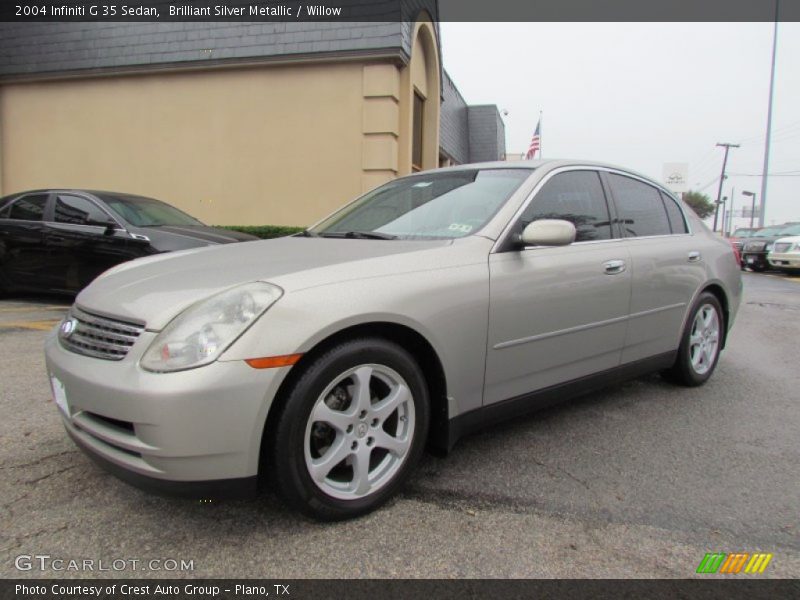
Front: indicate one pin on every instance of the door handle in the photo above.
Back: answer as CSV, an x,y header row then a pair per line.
x,y
694,256
614,267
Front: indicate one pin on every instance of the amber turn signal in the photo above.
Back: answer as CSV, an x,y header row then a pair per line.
x,y
272,362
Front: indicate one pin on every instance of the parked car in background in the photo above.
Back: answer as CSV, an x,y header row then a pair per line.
x,y
739,236
429,307
757,247
59,240
785,253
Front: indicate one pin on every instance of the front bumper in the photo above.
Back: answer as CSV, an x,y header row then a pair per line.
x,y
785,260
192,432
755,259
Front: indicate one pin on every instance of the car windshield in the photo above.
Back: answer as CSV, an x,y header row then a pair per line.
x,y
793,230
742,233
146,212
446,205
768,232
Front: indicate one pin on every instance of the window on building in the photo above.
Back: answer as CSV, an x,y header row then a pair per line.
x,y
574,196
78,211
676,221
641,210
29,208
416,140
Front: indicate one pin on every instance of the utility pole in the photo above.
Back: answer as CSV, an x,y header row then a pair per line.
x,y
727,147
727,224
762,213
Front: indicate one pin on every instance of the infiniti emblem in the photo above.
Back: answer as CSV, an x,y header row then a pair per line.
x,y
361,430
68,327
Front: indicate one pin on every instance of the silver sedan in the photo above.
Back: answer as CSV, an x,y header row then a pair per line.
x,y
431,306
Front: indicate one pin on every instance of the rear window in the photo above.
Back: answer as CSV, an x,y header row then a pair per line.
x,y
28,208
641,210
674,214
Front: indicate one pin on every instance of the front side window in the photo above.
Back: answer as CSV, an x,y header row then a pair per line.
x,y
641,210
574,196
29,208
433,205
78,211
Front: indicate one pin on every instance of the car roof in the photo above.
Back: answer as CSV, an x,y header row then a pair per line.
x,y
98,194
548,164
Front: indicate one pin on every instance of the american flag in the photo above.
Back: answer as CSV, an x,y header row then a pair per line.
x,y
536,142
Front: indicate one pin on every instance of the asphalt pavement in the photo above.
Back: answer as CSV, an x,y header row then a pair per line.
x,y
640,480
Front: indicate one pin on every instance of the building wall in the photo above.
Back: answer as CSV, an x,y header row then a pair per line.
x,y
487,133
278,145
455,124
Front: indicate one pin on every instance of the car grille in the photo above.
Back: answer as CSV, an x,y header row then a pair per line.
x,y
96,336
754,246
781,247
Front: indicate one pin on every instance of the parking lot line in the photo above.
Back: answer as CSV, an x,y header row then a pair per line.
x,y
45,325
31,308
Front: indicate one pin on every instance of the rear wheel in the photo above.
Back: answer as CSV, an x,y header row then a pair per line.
x,y
700,344
351,430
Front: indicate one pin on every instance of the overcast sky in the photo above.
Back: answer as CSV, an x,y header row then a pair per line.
x,y
642,94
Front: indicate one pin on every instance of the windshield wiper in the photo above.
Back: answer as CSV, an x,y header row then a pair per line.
x,y
308,233
361,235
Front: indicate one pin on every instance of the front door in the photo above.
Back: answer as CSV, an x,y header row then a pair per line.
x,y
80,243
558,313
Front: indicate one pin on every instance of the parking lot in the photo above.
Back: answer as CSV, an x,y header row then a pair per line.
x,y
640,480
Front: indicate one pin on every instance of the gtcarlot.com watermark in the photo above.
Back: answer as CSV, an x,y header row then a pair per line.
x,y
46,562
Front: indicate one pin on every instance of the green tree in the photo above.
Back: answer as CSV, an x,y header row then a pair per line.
x,y
700,203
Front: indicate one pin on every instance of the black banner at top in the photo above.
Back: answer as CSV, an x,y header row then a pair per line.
x,y
399,10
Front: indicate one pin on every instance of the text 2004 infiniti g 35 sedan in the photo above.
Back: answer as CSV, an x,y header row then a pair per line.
x,y
432,305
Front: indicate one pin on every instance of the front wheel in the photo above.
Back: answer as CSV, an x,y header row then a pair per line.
x,y
352,428
701,343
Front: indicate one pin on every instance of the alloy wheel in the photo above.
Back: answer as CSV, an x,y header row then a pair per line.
x,y
704,339
359,431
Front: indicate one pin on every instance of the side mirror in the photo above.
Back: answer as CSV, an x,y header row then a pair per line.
x,y
548,232
110,225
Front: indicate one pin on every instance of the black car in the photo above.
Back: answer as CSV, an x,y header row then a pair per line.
x,y
757,246
60,240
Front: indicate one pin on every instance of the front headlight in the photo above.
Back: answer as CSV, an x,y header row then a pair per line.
x,y
202,332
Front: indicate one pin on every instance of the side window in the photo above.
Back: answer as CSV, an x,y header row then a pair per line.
x,y
674,214
29,208
641,210
575,196
78,211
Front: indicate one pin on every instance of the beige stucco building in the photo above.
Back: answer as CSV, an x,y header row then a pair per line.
x,y
248,123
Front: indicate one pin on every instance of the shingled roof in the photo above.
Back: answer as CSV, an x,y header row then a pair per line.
x,y
43,48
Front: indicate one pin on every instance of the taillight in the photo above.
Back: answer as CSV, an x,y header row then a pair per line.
x,y
736,254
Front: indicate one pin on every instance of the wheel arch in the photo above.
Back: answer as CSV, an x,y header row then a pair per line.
x,y
404,336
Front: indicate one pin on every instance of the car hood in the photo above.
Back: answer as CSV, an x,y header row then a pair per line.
x,y
790,239
154,289
204,233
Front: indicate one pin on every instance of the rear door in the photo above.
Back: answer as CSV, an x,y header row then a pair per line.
x,y
558,313
667,264
23,256
81,245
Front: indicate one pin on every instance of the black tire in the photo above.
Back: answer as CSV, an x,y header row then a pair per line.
x,y
758,267
287,459
683,371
